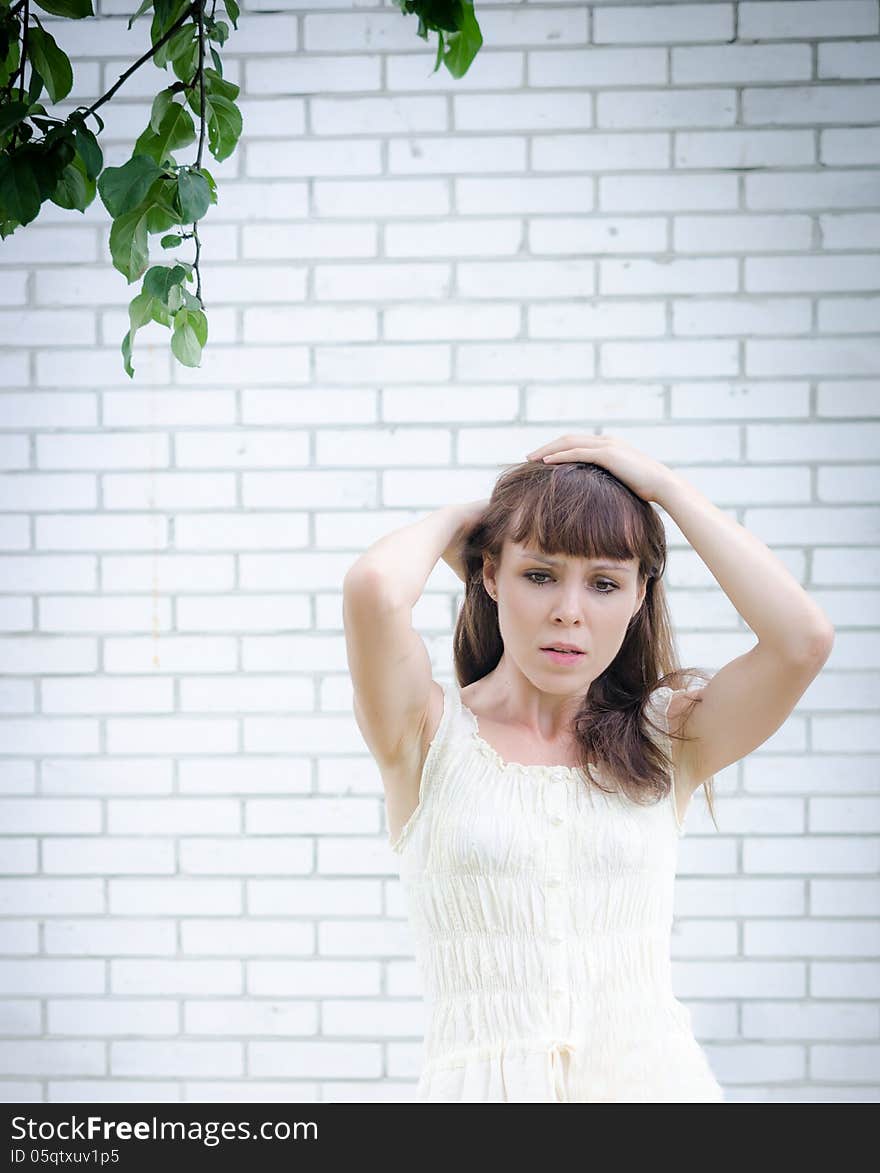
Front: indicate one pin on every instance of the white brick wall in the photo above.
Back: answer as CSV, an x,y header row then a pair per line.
x,y
661,219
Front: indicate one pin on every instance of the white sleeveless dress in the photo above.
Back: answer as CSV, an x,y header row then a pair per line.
x,y
542,911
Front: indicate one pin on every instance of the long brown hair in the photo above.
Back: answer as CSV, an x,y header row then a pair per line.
x,y
584,511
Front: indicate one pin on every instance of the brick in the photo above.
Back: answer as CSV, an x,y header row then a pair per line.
x,y
769,19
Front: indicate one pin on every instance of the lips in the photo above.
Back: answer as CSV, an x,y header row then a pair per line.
x,y
566,657
562,648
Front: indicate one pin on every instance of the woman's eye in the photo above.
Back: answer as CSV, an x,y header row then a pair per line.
x,y
542,574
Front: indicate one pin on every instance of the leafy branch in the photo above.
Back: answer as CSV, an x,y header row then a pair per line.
x,y
457,19
44,158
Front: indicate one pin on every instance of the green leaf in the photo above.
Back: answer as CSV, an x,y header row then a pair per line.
x,y
88,148
162,203
224,126
186,63
123,188
199,323
25,132
161,102
167,12
181,40
195,195
35,87
232,11
74,190
182,51
53,64
47,164
75,9
172,240
219,32
184,340
143,8
161,313
11,114
126,355
464,43
160,279
211,183
216,84
19,191
47,125
9,57
175,130
140,311
129,246
191,301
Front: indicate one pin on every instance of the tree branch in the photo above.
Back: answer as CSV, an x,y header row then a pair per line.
x,y
195,6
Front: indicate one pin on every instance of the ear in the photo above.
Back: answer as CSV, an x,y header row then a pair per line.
x,y
640,599
489,583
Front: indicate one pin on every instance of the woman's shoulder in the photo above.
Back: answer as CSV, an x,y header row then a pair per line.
x,y
413,777
409,766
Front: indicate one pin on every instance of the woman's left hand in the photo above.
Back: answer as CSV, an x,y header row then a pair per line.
x,y
640,472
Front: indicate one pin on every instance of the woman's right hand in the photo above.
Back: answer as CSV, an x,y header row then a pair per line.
x,y
469,513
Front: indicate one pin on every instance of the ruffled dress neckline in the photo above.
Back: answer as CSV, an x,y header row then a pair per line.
x,y
570,773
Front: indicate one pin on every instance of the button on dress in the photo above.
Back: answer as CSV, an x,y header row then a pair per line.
x,y
541,910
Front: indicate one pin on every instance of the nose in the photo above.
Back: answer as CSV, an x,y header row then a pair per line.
x,y
569,606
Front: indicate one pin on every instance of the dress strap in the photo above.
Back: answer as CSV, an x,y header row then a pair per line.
x,y
658,712
453,697
659,703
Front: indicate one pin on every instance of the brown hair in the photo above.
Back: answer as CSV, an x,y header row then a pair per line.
x,y
584,511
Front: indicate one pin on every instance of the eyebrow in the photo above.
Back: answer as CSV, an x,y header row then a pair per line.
x,y
622,565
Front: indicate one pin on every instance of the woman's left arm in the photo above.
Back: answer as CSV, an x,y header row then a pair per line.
x,y
748,699
771,601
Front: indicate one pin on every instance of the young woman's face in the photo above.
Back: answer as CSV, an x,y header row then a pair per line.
x,y
546,599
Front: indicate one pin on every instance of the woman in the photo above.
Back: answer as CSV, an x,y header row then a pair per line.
x,y
536,811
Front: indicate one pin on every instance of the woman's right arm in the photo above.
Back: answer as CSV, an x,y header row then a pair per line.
x,y
402,560
388,661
